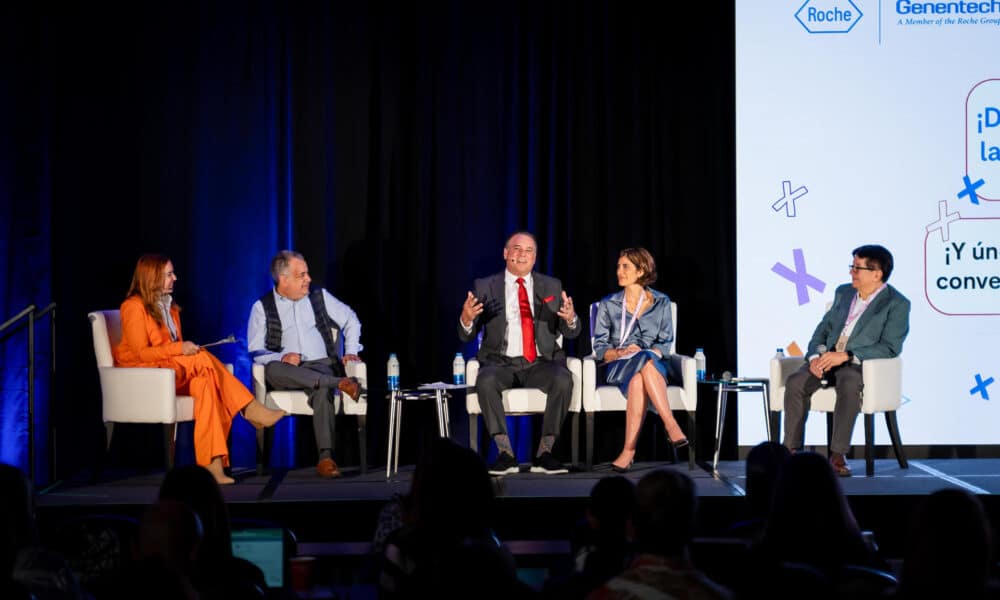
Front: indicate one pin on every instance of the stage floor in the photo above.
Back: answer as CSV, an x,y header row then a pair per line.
x,y
535,512
978,476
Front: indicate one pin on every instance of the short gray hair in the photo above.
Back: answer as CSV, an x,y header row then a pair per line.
x,y
279,264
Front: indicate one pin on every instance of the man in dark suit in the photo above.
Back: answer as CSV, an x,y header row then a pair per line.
x,y
521,314
869,319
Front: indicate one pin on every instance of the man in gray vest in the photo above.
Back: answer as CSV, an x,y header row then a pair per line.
x,y
290,332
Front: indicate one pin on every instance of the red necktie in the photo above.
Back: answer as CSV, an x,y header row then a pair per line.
x,y
527,323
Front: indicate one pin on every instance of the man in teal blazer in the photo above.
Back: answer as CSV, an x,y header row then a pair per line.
x,y
869,319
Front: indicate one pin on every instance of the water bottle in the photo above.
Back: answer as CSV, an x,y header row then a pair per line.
x,y
699,363
779,353
392,371
458,369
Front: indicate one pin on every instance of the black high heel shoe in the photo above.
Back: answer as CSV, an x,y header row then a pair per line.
x,y
679,443
618,469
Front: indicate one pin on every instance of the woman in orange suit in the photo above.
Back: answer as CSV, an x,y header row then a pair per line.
x,y
151,337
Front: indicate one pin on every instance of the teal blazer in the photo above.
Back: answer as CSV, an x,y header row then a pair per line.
x,y
880,330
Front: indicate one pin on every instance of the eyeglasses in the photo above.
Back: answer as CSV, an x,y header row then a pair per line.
x,y
860,268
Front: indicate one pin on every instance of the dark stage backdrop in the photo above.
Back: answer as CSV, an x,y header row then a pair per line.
x,y
394,144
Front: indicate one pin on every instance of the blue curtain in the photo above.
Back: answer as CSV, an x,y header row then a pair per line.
x,y
394,144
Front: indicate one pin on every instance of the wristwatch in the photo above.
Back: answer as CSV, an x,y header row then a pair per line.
x,y
850,356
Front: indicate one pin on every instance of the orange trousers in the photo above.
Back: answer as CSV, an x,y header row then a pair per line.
x,y
218,396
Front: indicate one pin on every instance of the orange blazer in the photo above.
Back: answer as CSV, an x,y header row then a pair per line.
x,y
146,343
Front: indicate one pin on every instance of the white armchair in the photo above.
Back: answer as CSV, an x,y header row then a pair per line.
x,y
600,398
523,401
882,393
295,402
136,394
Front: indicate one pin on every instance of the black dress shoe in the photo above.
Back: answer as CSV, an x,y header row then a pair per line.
x,y
548,464
679,443
504,465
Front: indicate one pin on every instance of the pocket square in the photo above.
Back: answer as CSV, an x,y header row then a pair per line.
x,y
548,299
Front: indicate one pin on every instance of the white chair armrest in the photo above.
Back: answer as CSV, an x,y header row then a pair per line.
x,y
138,395
471,372
780,369
575,366
259,384
883,384
589,382
689,375
359,370
471,397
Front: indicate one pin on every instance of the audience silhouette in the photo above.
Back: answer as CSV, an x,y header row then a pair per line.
x,y
666,509
635,541
764,462
449,520
949,553
28,569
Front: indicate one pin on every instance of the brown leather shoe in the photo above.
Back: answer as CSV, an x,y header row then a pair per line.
x,y
350,386
839,465
327,469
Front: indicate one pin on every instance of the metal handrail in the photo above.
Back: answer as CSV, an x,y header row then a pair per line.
x,y
33,314
25,312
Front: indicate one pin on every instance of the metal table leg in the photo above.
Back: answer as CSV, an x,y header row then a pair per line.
x,y
767,409
392,429
399,427
446,418
720,408
442,412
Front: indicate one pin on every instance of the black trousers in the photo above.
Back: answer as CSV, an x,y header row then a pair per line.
x,y
503,373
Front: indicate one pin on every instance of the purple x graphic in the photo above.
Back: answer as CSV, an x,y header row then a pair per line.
x,y
799,277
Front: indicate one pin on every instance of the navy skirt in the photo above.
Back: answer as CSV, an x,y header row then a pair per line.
x,y
620,372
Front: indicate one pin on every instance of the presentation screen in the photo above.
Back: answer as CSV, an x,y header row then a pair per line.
x,y
873,122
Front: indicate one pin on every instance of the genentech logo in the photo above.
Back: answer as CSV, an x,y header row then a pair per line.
x,y
828,16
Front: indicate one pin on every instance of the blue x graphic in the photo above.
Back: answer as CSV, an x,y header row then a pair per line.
x,y
802,280
981,387
970,189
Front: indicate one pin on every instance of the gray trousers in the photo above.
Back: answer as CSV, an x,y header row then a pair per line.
x,y
306,376
799,389
550,376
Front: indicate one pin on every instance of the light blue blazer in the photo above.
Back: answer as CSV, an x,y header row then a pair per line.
x,y
654,329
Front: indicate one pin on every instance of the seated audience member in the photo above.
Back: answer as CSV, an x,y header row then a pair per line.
x,y
762,467
666,508
602,544
149,580
451,511
171,533
217,573
810,521
152,337
949,553
811,540
28,570
633,334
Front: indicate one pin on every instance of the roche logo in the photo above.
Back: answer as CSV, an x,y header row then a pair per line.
x,y
828,16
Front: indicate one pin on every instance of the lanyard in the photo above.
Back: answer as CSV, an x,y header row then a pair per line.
x,y
851,315
635,316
